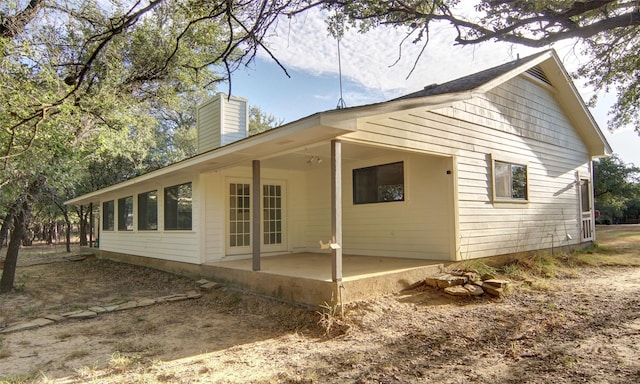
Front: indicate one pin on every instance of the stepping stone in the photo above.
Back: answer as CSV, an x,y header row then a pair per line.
x,y
177,298
39,322
210,286
55,318
145,302
193,295
127,305
202,281
83,315
98,309
67,314
111,308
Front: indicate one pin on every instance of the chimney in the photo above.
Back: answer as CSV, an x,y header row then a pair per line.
x,y
221,121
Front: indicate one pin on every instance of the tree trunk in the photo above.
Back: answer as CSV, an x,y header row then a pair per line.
x,y
65,212
11,260
6,224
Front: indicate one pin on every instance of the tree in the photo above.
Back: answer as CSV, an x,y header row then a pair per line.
x,y
260,121
607,30
616,187
62,116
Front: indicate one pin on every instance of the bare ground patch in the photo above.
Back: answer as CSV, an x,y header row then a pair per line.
x,y
584,327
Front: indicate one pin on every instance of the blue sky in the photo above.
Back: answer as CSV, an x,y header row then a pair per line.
x,y
372,72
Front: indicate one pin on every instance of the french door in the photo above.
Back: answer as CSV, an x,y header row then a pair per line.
x,y
239,217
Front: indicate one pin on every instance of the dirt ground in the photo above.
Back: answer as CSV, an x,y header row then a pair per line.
x,y
583,326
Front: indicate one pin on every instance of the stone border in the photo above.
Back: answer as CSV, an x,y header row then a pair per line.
x,y
89,313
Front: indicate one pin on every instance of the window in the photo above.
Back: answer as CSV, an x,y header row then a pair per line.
x,y
381,183
108,215
125,214
148,211
177,207
272,212
510,181
239,215
585,195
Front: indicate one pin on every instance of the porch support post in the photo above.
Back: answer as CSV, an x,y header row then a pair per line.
x,y
90,225
255,219
336,210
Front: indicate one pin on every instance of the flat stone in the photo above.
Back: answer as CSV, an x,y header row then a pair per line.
x,y
36,323
473,289
83,315
128,305
177,298
202,281
67,314
210,286
492,290
445,281
457,290
98,309
497,283
111,308
54,317
193,295
431,282
471,276
145,302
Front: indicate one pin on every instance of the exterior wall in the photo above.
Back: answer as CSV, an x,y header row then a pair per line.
x,y
183,246
419,227
215,209
520,121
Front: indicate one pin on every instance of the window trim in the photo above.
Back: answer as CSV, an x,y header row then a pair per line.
x,y
512,162
164,210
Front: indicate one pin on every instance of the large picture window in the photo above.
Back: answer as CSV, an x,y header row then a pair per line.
x,y
177,207
148,211
125,214
378,184
510,181
108,215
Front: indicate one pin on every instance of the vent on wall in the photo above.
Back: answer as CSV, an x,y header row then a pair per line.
x,y
538,73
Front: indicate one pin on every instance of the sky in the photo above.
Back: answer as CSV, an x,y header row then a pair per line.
x,y
375,69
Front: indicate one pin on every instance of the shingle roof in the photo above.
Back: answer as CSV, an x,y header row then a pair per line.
x,y
470,82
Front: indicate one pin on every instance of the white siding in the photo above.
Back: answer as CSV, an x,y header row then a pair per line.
x,y
222,121
209,117
419,227
168,245
519,121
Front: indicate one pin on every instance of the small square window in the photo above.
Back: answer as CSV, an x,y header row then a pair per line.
x,y
510,181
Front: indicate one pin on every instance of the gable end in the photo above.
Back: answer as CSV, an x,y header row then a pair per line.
x,y
537,73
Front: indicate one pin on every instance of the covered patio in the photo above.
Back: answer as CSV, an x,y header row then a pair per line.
x,y
307,277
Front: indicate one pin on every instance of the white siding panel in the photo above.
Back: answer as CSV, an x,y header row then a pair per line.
x,y
519,121
181,246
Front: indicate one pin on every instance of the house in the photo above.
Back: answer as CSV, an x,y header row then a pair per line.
x,y
494,163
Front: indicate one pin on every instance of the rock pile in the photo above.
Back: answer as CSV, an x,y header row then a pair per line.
x,y
467,283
